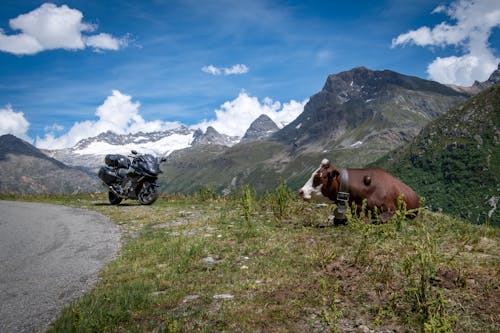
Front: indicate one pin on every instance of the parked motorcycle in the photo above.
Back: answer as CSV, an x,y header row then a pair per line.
x,y
131,179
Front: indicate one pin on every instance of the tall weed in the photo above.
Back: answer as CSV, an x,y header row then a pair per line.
x,y
206,193
279,200
247,202
420,267
330,313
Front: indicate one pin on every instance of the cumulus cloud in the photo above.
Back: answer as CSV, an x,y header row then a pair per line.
x,y
234,117
118,114
14,123
474,23
233,70
211,69
51,27
105,41
236,69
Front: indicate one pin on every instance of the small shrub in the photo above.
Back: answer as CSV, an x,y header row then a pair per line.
x,y
330,313
247,199
420,266
279,200
206,193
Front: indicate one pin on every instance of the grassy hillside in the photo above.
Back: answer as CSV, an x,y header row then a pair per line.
x,y
237,264
455,161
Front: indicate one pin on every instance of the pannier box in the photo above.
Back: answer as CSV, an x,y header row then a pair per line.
x,y
108,175
117,161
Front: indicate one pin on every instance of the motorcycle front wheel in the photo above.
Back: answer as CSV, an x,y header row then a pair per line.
x,y
148,194
113,198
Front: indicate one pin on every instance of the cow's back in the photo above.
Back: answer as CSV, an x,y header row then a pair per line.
x,y
381,188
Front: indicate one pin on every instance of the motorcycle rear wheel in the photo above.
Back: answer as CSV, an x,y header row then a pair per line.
x,y
148,195
114,199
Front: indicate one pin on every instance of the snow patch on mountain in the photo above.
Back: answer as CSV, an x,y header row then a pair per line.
x,y
162,147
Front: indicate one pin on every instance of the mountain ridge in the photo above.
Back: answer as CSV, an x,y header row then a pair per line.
x,y
213,137
27,170
351,97
356,118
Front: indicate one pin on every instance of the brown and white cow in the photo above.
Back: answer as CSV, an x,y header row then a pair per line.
x,y
380,189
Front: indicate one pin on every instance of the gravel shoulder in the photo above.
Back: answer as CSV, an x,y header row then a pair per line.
x,y
50,255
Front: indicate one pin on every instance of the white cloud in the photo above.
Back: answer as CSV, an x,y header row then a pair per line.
x,y
118,113
234,117
104,41
211,69
54,128
14,123
50,27
474,22
233,70
236,69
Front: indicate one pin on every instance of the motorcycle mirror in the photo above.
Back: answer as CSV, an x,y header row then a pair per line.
x,y
134,152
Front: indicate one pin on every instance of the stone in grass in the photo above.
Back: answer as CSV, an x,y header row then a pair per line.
x,y
223,296
209,260
190,298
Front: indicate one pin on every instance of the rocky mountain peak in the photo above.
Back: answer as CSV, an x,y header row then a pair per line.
x,y
492,80
361,82
212,137
261,128
362,105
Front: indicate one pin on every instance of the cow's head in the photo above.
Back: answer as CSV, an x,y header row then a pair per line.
x,y
319,186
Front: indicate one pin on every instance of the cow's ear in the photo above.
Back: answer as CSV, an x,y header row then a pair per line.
x,y
332,174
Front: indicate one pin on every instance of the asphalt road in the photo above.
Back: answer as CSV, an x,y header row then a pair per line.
x,y
49,256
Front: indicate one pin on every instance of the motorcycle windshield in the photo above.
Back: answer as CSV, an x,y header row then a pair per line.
x,y
150,165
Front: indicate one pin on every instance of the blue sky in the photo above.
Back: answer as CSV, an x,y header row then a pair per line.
x,y
212,62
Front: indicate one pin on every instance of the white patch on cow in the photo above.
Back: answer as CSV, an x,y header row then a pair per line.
x,y
309,192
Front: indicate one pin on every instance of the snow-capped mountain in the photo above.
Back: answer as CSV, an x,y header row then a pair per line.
x,y
160,143
89,153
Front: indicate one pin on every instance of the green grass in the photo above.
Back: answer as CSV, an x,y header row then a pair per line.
x,y
283,268
455,161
